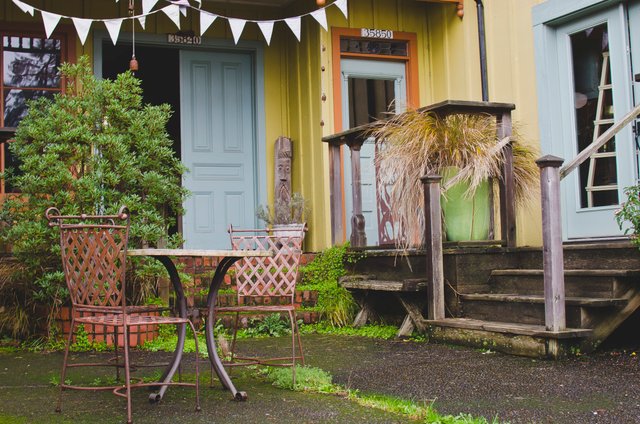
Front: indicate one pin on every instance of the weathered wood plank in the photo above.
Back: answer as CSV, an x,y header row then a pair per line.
x,y
573,301
501,327
552,255
383,285
358,235
335,197
433,245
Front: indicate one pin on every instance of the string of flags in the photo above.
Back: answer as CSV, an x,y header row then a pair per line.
x,y
173,11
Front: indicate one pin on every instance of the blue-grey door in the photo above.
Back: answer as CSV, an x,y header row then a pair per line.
x,y
218,145
369,88
585,85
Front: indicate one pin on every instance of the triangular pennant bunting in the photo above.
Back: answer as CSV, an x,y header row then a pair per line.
x,y
206,19
267,29
294,24
147,5
143,21
50,21
199,3
321,16
173,12
24,7
237,25
342,5
82,28
113,27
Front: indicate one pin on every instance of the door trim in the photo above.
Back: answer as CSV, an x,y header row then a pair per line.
x,y
255,48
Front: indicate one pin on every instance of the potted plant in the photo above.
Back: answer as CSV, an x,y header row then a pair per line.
x,y
286,216
463,148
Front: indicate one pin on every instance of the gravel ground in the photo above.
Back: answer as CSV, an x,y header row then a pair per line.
x,y
597,388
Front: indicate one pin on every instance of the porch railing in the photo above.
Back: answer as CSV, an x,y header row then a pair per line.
x,y
553,261
354,139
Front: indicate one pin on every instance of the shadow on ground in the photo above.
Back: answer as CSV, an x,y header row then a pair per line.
x,y
599,388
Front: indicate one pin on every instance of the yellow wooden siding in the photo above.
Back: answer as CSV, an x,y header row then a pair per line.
x,y
448,64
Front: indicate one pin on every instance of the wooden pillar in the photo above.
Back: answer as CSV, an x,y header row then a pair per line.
x,y
507,185
335,181
552,256
433,244
358,235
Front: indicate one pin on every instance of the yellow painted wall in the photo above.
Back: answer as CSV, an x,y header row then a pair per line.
x,y
448,62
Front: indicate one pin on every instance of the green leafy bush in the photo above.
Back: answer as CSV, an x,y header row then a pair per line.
x,y
630,212
322,274
90,150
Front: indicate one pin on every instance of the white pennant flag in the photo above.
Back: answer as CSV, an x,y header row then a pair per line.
x,y
267,29
50,21
237,25
24,7
143,21
113,27
82,28
206,19
342,5
173,12
321,16
294,24
147,5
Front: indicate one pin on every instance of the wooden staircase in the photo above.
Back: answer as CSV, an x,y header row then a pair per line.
x,y
495,297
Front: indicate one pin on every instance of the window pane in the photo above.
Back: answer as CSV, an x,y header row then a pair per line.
x,y
15,107
31,62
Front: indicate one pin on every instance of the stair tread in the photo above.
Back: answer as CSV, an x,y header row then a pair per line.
x,y
512,328
570,272
371,282
569,300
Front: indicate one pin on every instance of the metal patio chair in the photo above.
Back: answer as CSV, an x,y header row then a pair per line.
x,y
267,285
94,259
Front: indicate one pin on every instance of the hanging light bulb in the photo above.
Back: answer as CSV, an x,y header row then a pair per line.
x,y
133,63
320,2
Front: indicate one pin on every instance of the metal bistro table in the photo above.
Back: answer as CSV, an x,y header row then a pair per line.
x,y
227,258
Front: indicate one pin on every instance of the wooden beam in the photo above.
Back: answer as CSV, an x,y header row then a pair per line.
x,y
433,243
552,254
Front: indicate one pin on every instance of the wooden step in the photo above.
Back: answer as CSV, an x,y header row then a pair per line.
x,y
578,282
510,328
592,302
371,282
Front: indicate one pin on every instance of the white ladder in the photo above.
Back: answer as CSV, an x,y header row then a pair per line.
x,y
597,123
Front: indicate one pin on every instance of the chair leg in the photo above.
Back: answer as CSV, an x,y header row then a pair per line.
x,y
64,361
292,317
115,349
299,343
195,337
127,374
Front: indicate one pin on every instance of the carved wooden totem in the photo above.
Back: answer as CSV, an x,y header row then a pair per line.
x,y
283,153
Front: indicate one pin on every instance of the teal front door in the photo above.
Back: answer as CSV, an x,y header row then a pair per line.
x,y
218,145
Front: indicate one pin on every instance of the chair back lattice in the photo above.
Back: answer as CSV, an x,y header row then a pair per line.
x,y
268,276
93,250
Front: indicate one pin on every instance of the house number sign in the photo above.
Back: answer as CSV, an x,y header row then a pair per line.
x,y
184,39
376,33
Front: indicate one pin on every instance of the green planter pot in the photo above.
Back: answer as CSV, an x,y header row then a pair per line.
x,y
465,217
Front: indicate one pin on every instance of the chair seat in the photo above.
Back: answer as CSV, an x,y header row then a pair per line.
x,y
118,320
256,308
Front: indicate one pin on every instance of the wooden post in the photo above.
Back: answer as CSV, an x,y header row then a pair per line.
x,y
335,181
433,243
358,235
507,185
552,256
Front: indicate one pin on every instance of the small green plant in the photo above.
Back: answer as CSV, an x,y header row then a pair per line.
x,y
293,212
629,212
322,274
